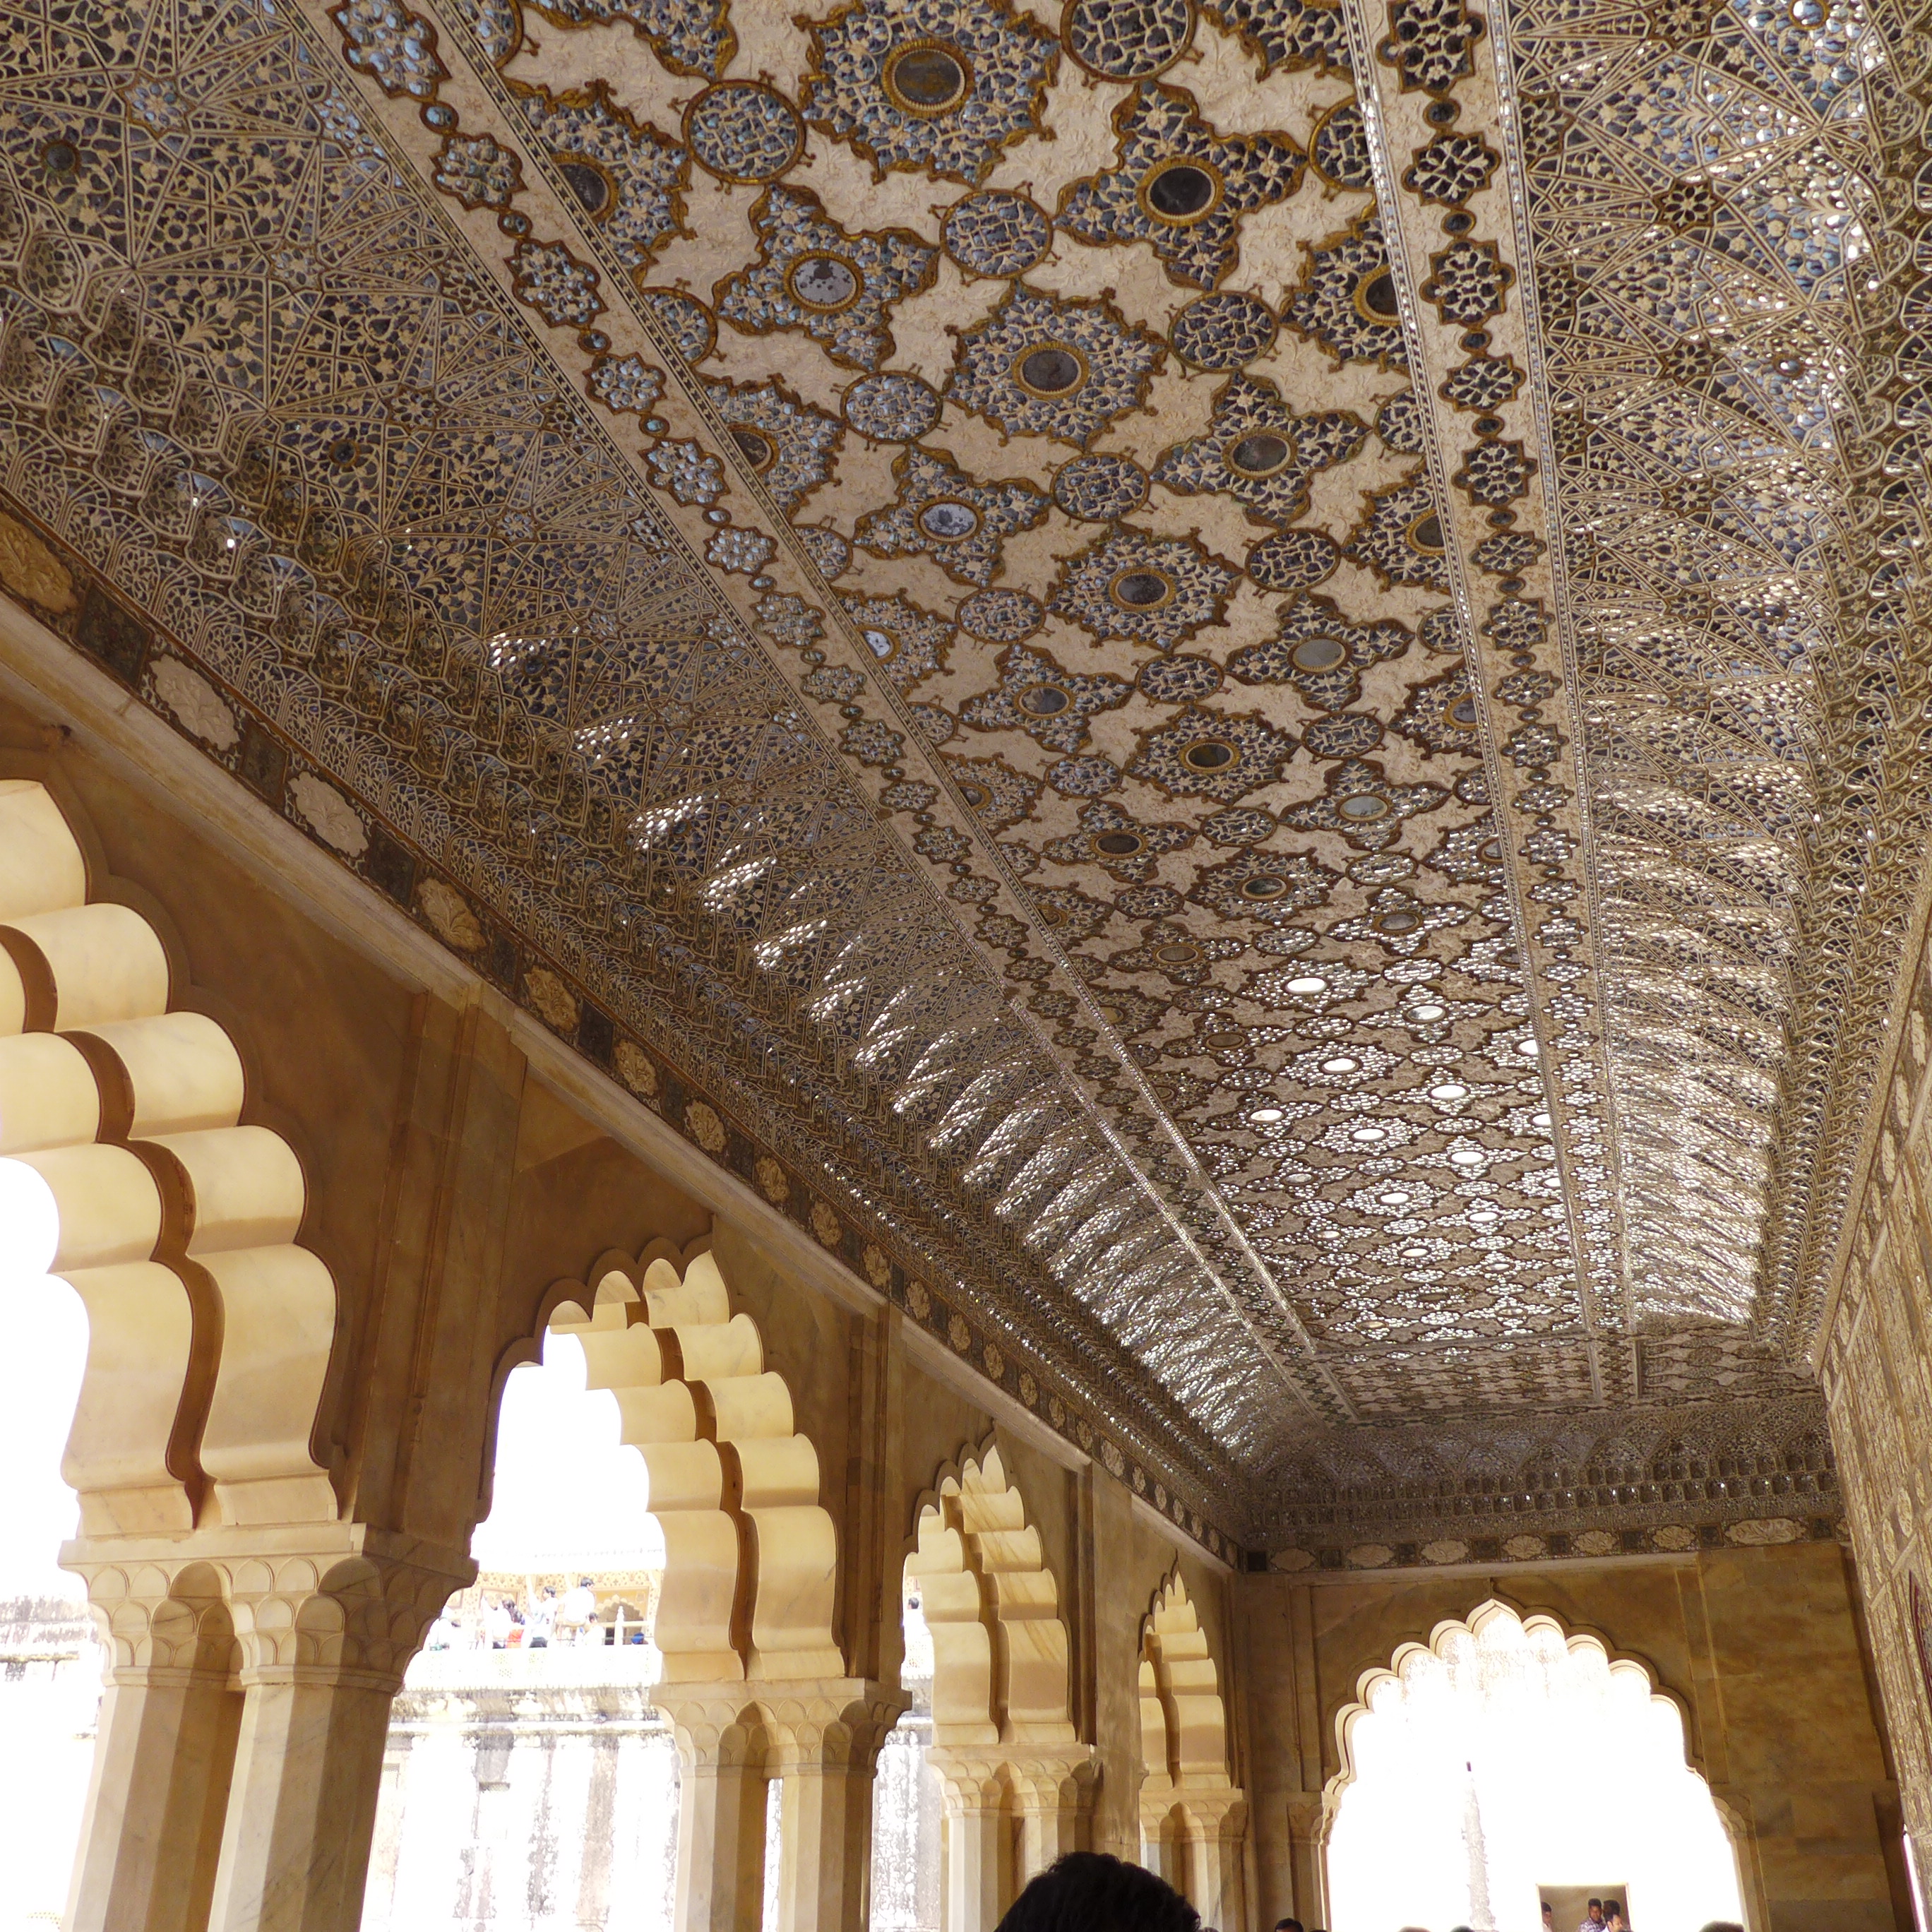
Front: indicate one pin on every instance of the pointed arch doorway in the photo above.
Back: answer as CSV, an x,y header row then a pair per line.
x,y
1507,1759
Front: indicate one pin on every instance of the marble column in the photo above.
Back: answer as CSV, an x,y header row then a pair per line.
x,y
1309,1820
819,1739
978,1855
152,1825
240,1744
163,1748
1055,1791
722,1749
1217,1826
302,1808
324,1639
828,1740
1010,1813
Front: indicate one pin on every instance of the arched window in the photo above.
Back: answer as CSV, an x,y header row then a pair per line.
x,y
1510,1761
1191,1813
1017,1780
209,1327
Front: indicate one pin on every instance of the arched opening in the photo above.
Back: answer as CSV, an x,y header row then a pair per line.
x,y
530,1702
730,1487
1015,1781
655,1516
209,1327
50,1677
1511,1762
1192,1814
908,1802
126,1170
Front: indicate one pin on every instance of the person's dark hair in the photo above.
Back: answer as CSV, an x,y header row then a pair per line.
x,y
1288,1925
1094,1892
1596,1904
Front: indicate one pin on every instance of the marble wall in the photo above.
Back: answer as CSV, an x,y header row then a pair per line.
x,y
525,1793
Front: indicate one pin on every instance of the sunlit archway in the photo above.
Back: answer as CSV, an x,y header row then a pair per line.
x,y
1506,1758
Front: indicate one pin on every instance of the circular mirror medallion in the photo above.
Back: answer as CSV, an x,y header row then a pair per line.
x,y
948,522
1052,369
1265,1116
1368,1135
1118,845
1308,984
1425,534
1449,1090
1427,1015
824,283
1141,589
61,159
1044,700
975,795
591,185
1179,952
1261,454
1180,193
1317,654
1362,806
1463,712
883,643
1376,298
1340,1063
1264,886
1210,754
927,78
757,447
1398,921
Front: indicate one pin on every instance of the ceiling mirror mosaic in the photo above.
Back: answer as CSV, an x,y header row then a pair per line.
x,y
1262,666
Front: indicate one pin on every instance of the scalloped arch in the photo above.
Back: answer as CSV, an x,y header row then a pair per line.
x,y
209,1327
1184,1721
1473,1625
751,1556
1000,1650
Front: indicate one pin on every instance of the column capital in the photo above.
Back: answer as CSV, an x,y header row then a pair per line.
x,y
1220,1809
319,1603
804,1724
974,1775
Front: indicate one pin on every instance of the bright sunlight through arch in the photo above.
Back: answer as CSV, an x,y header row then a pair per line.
x,y
1504,1758
567,1493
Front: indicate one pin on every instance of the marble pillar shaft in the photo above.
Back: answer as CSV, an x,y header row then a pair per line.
x,y
301,1806
150,1832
